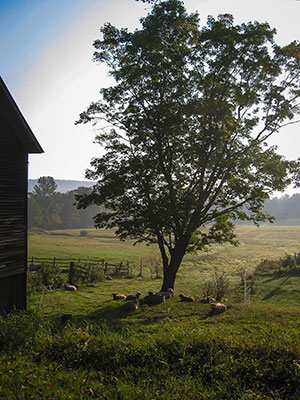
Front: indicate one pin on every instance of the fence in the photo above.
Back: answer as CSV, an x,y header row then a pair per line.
x,y
81,269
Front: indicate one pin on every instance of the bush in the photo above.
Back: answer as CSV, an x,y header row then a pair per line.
x,y
281,266
83,233
47,276
217,286
155,266
267,267
95,274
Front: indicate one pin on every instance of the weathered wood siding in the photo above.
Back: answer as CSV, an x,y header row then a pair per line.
x,y
12,293
13,219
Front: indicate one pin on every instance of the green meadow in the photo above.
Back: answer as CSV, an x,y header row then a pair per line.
x,y
170,351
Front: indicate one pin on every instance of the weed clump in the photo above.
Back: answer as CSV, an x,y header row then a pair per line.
x,y
217,286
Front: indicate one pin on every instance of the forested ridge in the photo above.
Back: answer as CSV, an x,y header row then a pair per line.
x,y
50,208
285,209
63,185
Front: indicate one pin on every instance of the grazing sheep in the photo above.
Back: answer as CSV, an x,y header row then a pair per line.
x,y
189,299
118,296
169,293
132,296
207,300
218,308
153,299
72,288
131,305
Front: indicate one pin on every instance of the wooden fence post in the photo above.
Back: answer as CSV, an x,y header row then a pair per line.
x,y
71,272
141,268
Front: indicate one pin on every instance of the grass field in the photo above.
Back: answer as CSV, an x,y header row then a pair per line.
x,y
171,351
255,244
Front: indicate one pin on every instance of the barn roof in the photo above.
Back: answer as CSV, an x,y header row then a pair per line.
x,y
10,111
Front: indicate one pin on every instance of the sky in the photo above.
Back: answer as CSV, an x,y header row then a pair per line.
x,y
46,62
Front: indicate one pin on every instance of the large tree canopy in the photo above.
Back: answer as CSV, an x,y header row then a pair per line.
x,y
186,128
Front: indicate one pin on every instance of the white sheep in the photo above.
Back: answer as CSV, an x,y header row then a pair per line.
x,y
118,296
186,298
69,287
218,308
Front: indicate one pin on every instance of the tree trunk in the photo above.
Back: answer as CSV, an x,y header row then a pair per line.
x,y
171,269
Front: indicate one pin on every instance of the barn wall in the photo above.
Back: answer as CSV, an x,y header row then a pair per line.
x,y
13,220
12,293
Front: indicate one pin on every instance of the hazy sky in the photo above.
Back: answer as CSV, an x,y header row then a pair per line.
x,y
46,62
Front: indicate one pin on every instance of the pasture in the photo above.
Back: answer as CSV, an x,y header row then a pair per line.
x,y
169,351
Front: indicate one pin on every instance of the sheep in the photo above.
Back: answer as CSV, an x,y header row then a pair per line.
x,y
169,293
153,299
118,296
207,300
69,287
131,296
218,308
131,305
186,298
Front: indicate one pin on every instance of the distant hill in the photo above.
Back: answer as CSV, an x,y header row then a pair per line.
x,y
63,186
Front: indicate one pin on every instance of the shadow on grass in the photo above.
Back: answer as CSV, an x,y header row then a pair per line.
x,y
278,291
114,316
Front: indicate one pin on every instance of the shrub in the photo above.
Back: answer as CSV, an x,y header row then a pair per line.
x,y
267,267
47,276
83,233
217,286
283,265
155,266
288,262
95,274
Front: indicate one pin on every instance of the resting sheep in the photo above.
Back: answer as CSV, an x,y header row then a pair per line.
x,y
153,299
118,296
218,308
207,300
132,296
72,288
169,293
186,298
131,305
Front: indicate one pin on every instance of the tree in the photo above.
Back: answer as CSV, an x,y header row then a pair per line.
x,y
186,129
43,205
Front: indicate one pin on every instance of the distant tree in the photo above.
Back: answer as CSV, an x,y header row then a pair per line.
x,y
35,218
186,129
85,216
42,202
49,209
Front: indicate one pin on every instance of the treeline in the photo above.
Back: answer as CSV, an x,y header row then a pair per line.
x,y
49,209
284,208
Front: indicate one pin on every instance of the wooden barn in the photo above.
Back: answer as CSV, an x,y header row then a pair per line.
x,y
16,142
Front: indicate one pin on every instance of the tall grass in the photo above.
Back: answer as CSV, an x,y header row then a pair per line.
x,y
244,354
